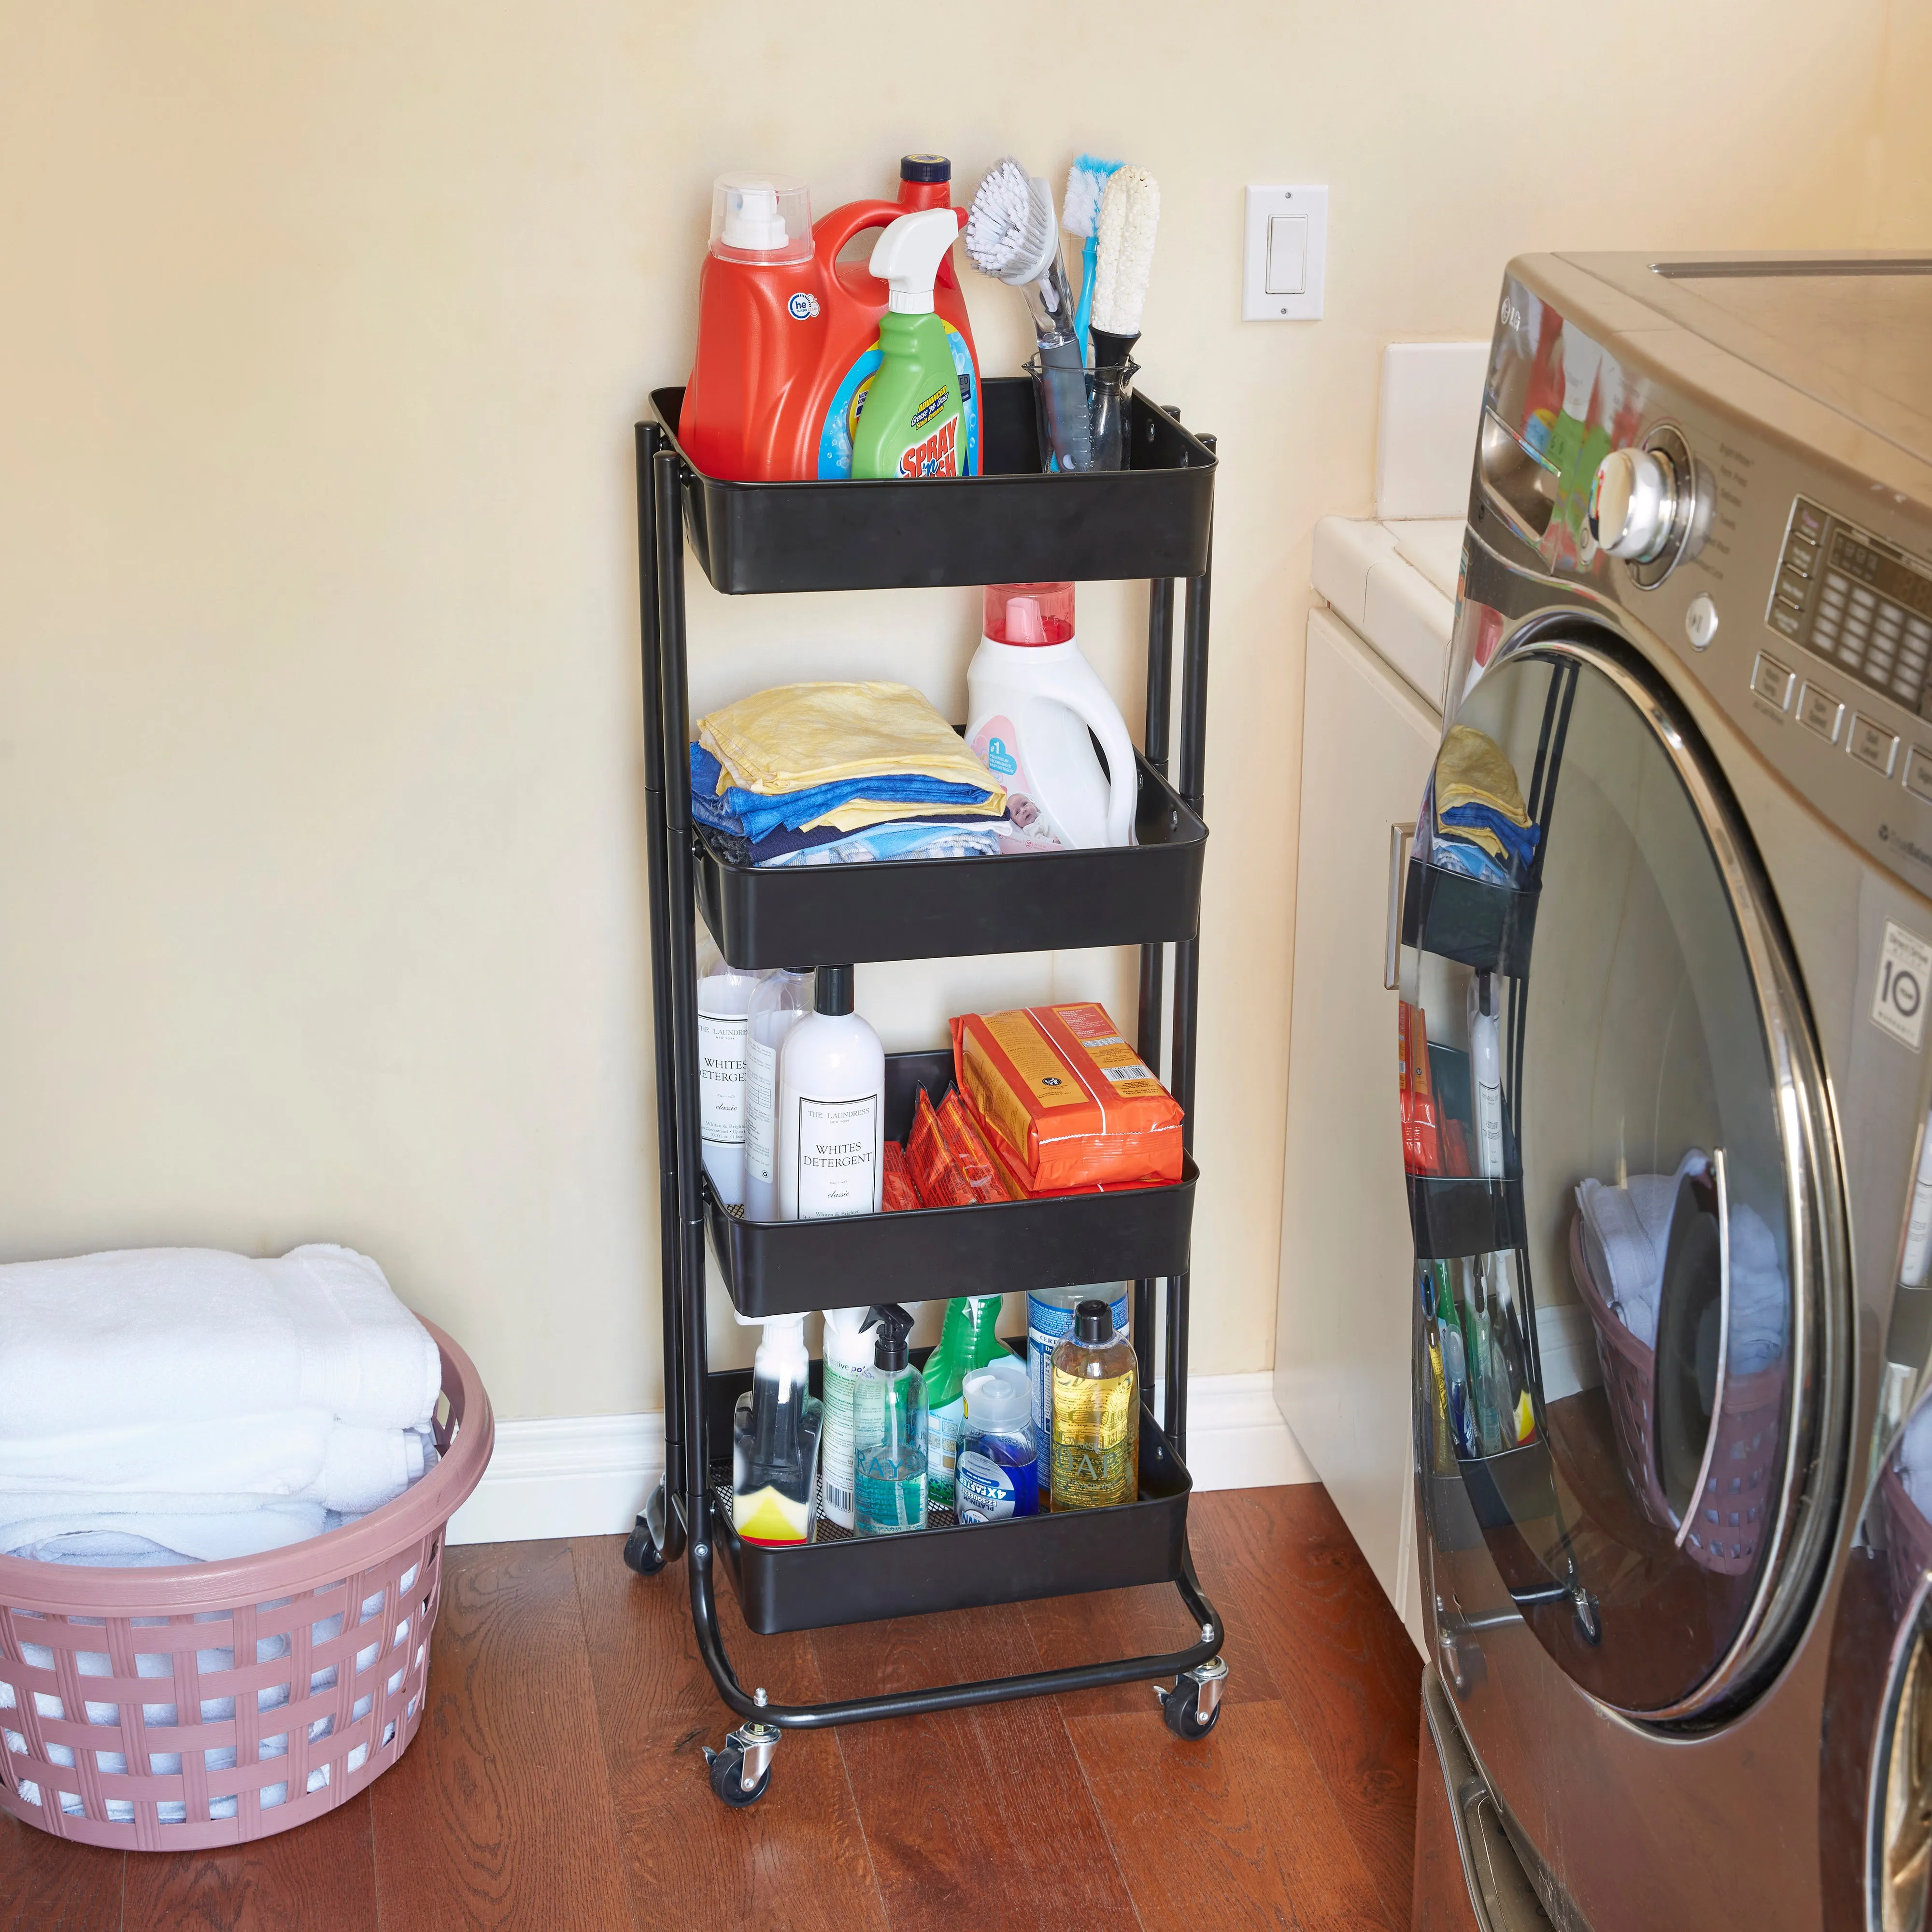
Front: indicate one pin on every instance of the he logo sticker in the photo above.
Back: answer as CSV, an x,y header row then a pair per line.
x,y
1904,979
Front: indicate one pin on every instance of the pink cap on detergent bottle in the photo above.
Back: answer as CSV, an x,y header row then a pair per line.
x,y
1029,614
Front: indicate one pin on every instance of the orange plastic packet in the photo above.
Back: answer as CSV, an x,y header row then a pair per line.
x,y
1066,1102
896,1183
968,1148
934,1172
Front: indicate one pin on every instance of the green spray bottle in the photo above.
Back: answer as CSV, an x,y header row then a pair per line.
x,y
913,422
966,1343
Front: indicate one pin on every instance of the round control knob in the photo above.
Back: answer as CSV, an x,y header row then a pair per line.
x,y
1633,503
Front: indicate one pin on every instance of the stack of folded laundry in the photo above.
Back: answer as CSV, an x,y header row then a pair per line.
x,y
1481,827
180,1404
830,774
1627,1242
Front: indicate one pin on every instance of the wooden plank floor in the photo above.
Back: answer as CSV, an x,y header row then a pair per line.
x,y
558,1780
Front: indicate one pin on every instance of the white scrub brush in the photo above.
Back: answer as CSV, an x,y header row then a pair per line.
x,y
1129,214
1080,214
1011,235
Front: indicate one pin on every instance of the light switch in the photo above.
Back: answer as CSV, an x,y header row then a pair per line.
x,y
1285,254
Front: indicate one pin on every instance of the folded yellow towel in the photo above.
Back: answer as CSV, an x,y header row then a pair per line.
x,y
1471,769
794,737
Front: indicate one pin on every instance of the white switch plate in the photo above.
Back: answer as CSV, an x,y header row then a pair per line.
x,y
1264,206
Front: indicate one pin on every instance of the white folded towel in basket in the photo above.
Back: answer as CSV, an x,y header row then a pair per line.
x,y
253,1459
147,1336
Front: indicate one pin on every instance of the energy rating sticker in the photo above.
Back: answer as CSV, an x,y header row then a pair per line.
x,y
1904,979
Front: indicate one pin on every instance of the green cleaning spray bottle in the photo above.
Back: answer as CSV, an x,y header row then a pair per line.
x,y
967,1342
913,421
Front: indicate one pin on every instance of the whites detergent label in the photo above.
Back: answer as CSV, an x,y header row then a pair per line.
x,y
761,1095
838,1156
720,1077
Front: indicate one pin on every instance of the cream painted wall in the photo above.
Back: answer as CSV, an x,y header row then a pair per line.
x,y
322,330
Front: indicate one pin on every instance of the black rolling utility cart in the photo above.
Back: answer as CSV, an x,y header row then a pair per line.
x,y
1152,520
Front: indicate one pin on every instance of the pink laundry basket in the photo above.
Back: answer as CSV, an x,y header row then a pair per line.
x,y
167,1710
1725,1536
1908,1536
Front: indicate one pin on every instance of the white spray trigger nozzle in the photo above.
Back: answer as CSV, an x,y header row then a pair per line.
x,y
907,257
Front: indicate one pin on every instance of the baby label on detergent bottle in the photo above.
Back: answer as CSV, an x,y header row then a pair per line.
x,y
1034,710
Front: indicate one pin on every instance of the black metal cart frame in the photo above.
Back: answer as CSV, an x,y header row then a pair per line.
x,y
939,534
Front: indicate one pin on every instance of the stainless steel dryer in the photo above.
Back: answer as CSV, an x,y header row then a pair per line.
x,y
1667,923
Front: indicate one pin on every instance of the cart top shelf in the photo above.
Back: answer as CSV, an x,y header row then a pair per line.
x,y
1012,525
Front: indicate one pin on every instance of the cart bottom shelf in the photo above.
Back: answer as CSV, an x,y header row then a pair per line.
x,y
842,1579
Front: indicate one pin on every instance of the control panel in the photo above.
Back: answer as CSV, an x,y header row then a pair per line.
x,y
1857,600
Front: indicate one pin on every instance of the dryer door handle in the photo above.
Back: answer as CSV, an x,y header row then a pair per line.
x,y
1696,1500
1399,838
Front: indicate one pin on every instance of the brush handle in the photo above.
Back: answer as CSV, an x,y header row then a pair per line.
x,y
1110,350
1090,260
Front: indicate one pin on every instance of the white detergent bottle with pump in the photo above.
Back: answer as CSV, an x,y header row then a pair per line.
x,y
1032,700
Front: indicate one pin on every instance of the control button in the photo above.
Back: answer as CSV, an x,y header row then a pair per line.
x,y
1789,621
1791,590
1772,680
1918,774
1818,711
1800,557
1873,744
1700,623
1809,522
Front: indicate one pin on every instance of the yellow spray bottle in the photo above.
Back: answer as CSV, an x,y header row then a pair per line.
x,y
913,423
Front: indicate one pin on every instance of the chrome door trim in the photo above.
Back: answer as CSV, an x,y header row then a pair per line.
x,y
1811,1492
1905,1641
1684,1529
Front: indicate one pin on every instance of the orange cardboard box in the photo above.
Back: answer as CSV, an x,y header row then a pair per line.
x,y
1066,1101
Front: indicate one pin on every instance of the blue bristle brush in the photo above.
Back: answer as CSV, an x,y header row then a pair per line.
x,y
1080,214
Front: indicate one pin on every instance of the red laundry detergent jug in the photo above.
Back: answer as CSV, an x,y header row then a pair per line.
x,y
788,335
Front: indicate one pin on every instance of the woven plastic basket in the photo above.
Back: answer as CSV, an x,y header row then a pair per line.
x,y
1724,1538
1908,1536
206,1704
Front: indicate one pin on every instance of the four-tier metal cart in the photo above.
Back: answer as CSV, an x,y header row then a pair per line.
x,y
1152,519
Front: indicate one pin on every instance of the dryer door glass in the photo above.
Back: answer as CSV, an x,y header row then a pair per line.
x,y
1624,1330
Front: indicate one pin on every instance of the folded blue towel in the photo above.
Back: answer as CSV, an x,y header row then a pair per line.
x,y
751,815
1519,841
976,838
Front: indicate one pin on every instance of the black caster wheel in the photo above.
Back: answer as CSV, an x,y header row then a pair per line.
x,y
645,1549
641,1552
727,1772
1193,1708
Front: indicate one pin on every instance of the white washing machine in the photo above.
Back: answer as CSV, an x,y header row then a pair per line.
x,y
1668,928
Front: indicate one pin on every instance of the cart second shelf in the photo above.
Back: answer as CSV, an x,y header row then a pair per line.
x,y
1139,895
950,1566
790,1267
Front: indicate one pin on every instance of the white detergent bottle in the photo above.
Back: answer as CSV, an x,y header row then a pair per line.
x,y
1031,699
723,993
831,1109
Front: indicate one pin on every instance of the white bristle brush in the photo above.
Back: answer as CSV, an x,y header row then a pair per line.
x,y
1130,215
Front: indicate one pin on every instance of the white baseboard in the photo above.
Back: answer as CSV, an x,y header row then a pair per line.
x,y
588,1475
